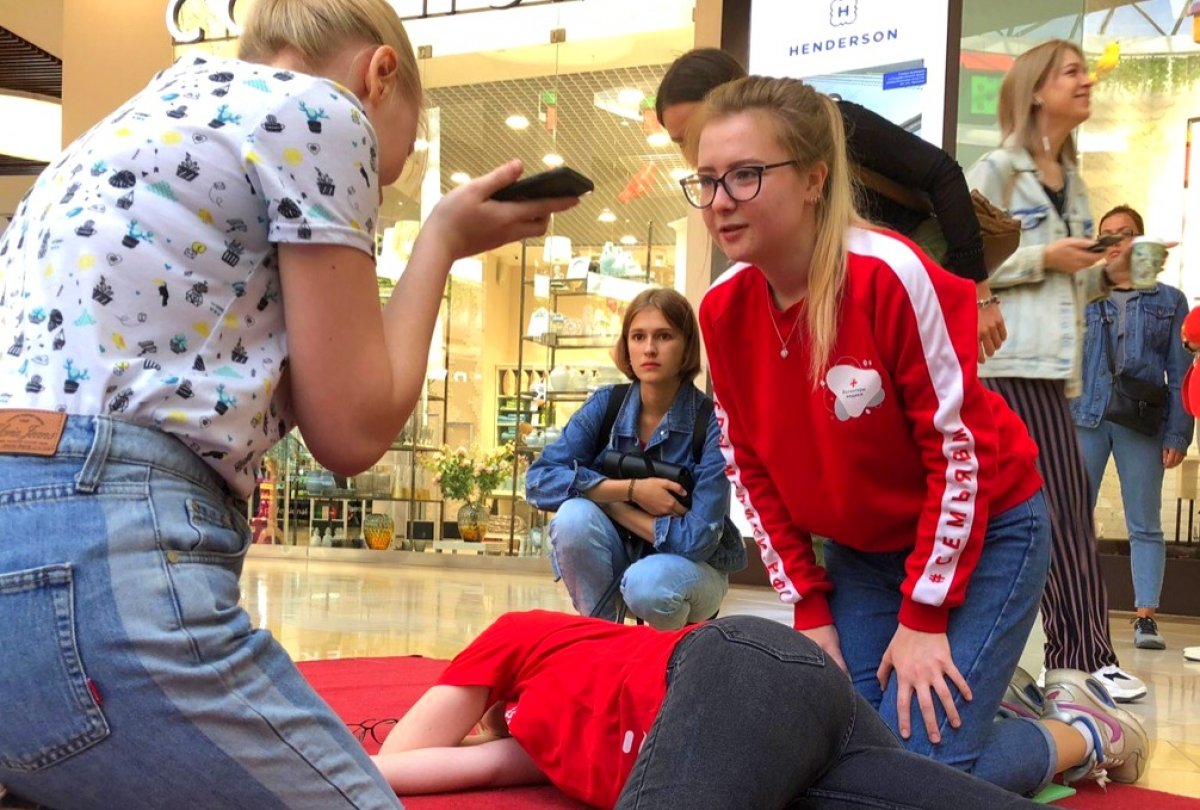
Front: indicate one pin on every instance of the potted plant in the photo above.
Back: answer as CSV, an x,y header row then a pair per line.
x,y
469,476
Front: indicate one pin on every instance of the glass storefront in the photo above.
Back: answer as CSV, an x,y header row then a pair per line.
x,y
1134,148
526,330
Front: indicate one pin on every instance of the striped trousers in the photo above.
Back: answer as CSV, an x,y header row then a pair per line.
x,y
1075,602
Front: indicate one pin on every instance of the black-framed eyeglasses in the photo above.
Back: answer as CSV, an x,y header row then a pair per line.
x,y
375,729
741,183
1124,233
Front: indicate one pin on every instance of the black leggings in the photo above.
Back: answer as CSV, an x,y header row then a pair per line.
x,y
1075,602
755,717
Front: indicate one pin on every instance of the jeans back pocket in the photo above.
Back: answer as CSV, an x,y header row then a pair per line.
x,y
49,710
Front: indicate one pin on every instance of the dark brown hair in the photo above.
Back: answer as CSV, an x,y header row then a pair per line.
x,y
691,76
1129,212
679,313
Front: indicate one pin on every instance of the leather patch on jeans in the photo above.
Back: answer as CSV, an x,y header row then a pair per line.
x,y
30,433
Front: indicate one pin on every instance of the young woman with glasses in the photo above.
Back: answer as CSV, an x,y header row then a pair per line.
x,y
844,369
888,156
1143,329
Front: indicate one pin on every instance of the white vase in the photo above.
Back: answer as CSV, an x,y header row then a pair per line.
x,y
560,378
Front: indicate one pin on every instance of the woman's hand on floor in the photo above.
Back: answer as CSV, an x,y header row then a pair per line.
x,y
826,637
922,664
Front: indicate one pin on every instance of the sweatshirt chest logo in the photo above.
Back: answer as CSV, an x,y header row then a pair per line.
x,y
854,390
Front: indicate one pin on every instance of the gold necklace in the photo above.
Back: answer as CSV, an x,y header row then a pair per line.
x,y
783,341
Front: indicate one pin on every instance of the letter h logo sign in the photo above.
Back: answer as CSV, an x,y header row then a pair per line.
x,y
843,12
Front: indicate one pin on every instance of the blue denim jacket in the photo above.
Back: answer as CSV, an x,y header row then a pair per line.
x,y
1152,350
571,466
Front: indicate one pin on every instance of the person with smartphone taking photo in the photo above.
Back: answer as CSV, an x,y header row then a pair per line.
x,y
1044,287
1135,333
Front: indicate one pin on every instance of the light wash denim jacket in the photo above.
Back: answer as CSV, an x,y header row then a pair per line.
x,y
571,466
1043,309
1151,351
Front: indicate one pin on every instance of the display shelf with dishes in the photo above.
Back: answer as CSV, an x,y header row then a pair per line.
x,y
311,506
569,327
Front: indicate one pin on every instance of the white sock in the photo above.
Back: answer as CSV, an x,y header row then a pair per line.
x,y
1085,731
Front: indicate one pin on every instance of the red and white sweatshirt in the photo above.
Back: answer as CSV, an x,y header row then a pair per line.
x,y
897,447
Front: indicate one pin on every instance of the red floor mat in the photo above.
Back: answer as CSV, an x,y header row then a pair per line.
x,y
365,691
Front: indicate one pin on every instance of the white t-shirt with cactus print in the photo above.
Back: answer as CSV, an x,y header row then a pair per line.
x,y
139,275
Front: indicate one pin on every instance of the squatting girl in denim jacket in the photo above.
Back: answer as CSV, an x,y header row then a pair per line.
x,y
681,557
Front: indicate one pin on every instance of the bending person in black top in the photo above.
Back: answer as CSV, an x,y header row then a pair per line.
x,y
883,148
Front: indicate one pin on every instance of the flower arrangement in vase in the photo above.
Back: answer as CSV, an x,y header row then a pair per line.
x,y
470,475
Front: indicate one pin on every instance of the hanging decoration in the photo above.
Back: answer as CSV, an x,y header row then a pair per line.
x,y
1106,62
548,110
640,184
650,123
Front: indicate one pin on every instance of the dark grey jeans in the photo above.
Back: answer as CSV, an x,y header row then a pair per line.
x,y
756,718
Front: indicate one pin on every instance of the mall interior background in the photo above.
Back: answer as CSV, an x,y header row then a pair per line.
x,y
585,98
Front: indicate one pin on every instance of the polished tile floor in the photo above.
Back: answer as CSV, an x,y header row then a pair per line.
x,y
341,610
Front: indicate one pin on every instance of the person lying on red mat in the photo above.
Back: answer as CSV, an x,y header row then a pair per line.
x,y
739,712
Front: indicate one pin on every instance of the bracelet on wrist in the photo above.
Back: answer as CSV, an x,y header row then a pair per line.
x,y
629,492
984,303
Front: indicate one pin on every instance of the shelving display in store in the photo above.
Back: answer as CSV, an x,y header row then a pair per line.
x,y
314,507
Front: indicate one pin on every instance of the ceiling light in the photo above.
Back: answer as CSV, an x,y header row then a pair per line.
x,y
458,178
39,136
553,159
628,239
658,139
607,216
420,145
630,97
516,122
680,173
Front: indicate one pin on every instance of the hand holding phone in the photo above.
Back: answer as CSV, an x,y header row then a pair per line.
x,y
560,182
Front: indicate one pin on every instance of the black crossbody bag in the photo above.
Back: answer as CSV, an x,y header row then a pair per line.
x,y
636,464
1133,403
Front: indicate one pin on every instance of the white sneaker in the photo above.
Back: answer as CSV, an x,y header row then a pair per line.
x,y
1123,687
1191,653
1120,744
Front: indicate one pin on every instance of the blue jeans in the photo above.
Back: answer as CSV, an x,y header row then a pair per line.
x,y
131,677
756,716
1140,470
666,590
987,634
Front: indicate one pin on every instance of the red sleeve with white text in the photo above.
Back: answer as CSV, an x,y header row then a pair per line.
x,y
925,320
785,549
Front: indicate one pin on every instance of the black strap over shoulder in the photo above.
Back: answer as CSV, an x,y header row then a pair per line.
x,y
699,431
615,398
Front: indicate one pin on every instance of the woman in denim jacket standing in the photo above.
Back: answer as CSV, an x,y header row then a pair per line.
x,y
1044,287
682,571
1143,330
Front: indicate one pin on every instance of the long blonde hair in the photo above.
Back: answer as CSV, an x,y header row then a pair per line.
x,y
809,126
1018,111
318,29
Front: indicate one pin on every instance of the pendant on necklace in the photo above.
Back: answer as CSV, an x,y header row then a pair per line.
x,y
783,352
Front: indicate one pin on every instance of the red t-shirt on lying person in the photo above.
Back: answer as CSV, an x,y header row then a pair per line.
x,y
582,693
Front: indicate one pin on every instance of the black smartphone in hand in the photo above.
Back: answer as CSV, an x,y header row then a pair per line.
x,y
1105,242
560,182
